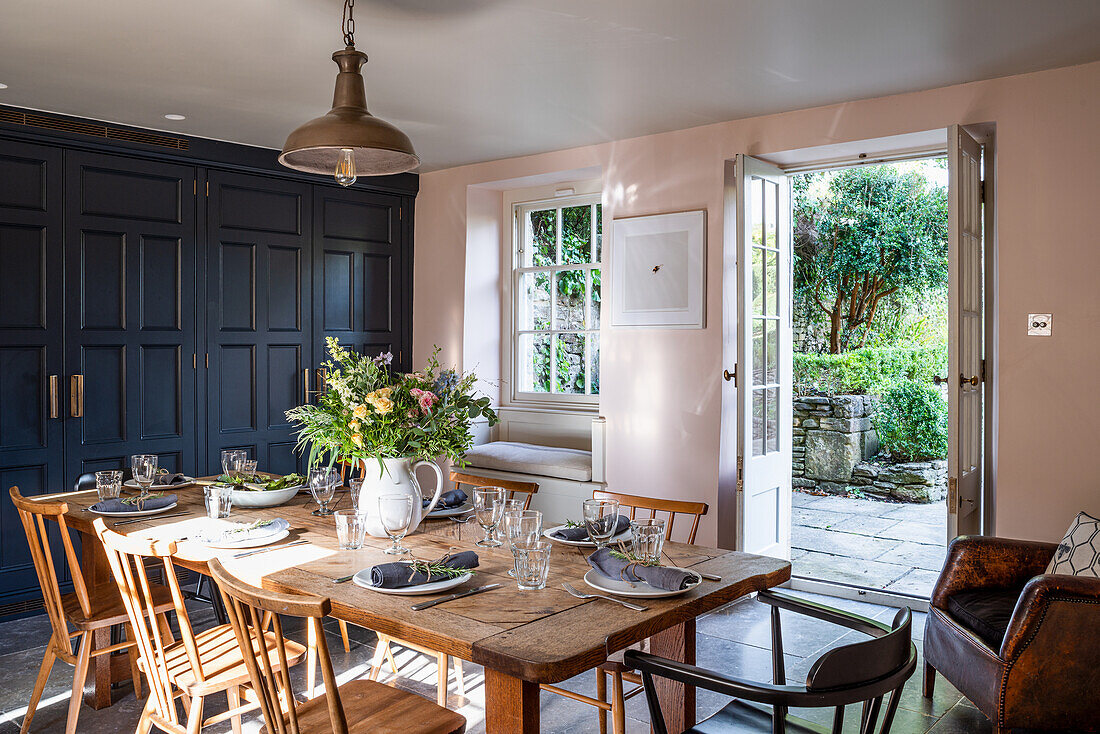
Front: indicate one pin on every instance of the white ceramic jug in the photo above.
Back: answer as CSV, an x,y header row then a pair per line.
x,y
395,476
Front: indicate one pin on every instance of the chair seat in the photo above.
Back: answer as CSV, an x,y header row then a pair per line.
x,y
985,612
380,709
738,717
106,606
526,458
222,663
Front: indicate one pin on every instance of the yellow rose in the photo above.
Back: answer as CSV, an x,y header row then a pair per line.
x,y
383,405
384,391
357,439
360,410
354,426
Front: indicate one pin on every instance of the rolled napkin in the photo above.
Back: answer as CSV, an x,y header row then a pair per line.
x,y
660,577
448,500
133,504
400,574
622,524
163,480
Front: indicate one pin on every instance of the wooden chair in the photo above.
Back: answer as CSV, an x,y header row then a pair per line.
x,y
370,706
195,666
511,486
88,611
614,665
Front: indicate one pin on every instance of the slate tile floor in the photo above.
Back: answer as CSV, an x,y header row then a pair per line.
x,y
734,639
880,545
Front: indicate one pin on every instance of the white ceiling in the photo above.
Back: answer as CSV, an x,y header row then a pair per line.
x,y
474,80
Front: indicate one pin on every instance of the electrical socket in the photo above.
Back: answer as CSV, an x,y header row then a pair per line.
x,y
1038,324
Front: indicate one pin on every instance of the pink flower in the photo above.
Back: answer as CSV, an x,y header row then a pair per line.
x,y
426,398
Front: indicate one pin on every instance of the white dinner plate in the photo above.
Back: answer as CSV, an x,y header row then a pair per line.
x,y
250,542
621,537
277,530
452,512
187,482
637,589
135,513
363,579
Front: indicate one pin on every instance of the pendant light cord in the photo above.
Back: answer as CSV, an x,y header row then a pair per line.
x,y
349,23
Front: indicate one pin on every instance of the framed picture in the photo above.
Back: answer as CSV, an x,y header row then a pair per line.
x,y
658,270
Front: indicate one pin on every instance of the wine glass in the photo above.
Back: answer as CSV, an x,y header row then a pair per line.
x,y
488,507
144,467
600,519
506,506
322,485
395,512
521,526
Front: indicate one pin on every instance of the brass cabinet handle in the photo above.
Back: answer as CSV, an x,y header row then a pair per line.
x,y
975,380
76,396
305,385
55,404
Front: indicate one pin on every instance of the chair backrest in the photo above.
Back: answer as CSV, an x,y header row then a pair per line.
x,y
509,485
249,608
130,560
866,660
652,505
33,514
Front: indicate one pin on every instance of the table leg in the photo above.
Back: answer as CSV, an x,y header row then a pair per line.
x,y
677,700
511,704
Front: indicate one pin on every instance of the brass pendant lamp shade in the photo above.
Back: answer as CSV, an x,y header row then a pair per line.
x,y
349,140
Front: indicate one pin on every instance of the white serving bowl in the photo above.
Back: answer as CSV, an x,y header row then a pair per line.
x,y
265,497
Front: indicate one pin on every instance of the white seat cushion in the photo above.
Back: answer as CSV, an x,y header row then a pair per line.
x,y
526,458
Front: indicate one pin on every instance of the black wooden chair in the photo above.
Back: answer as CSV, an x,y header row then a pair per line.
x,y
862,672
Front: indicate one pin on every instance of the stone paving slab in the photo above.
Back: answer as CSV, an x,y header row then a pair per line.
x,y
867,525
811,518
916,532
826,567
849,545
917,555
918,581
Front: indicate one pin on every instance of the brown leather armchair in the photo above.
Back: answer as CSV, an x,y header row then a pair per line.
x,y
1022,645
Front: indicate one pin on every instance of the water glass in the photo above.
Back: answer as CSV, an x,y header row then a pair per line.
x,y
488,507
395,513
248,468
506,506
351,527
355,486
648,539
600,518
231,461
532,563
322,485
108,484
219,500
521,526
144,467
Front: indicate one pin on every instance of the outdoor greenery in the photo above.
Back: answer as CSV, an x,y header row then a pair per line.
x,y
911,422
872,370
869,241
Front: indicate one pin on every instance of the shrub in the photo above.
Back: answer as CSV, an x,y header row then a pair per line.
x,y
911,422
870,370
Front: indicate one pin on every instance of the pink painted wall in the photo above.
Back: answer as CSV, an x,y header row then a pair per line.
x,y
661,387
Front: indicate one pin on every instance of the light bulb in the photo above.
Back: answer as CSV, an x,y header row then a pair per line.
x,y
345,168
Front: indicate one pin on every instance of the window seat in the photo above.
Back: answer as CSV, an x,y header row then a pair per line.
x,y
526,458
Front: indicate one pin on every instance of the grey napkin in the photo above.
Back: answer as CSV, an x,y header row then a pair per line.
x,y
163,480
117,505
660,577
448,500
622,524
397,575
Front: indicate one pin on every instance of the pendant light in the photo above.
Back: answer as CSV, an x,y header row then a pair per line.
x,y
349,141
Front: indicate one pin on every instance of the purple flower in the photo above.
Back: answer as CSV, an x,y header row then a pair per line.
x,y
385,358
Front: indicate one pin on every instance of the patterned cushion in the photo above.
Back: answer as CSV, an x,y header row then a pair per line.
x,y
1079,552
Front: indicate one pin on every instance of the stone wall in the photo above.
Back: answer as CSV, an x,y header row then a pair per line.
x,y
834,443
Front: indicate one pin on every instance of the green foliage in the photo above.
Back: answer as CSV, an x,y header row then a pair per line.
x,y
911,422
869,370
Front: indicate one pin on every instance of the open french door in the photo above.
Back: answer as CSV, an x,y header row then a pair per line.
x,y
965,357
763,379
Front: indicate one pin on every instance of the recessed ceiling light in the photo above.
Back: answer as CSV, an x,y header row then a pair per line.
x,y
175,117
3,86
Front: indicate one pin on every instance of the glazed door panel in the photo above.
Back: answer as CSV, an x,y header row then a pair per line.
x,y
258,322
130,269
31,356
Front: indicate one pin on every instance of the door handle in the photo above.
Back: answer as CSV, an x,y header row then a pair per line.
x,y
320,381
76,396
940,380
728,376
305,385
975,380
55,403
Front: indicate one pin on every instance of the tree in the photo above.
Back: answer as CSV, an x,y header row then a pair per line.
x,y
873,231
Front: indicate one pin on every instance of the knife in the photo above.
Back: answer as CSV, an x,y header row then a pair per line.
x,y
265,550
343,579
148,518
452,597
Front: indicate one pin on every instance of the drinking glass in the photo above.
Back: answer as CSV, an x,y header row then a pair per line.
x,y
648,539
351,526
488,506
600,518
108,484
231,461
395,512
322,485
507,506
521,526
355,486
219,500
144,467
248,468
532,563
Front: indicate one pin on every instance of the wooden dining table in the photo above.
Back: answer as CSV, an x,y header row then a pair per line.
x,y
521,638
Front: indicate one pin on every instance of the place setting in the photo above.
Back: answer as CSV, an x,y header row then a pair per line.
x,y
109,490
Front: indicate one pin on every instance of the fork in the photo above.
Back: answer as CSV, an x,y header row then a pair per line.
x,y
580,595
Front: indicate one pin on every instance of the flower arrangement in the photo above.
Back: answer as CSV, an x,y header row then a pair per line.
x,y
368,411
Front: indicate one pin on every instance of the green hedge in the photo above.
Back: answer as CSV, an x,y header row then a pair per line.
x,y
870,370
911,422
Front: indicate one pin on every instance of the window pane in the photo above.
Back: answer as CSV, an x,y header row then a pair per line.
x,y
771,350
773,419
594,361
541,246
758,354
756,208
757,281
772,281
597,299
599,234
758,422
570,362
533,362
569,300
771,202
576,235
534,301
